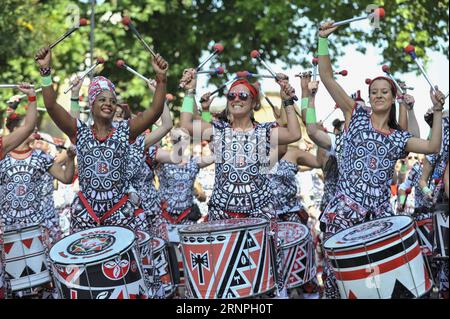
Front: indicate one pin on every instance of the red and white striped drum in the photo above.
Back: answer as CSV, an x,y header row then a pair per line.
x,y
99,263
297,251
228,258
379,259
162,266
25,257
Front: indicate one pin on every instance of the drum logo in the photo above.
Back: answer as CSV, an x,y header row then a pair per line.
x,y
200,261
117,268
90,245
368,231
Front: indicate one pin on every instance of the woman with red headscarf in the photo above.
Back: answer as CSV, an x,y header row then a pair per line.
x,y
373,142
103,148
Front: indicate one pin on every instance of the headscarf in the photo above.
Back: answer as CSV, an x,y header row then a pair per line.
x,y
97,86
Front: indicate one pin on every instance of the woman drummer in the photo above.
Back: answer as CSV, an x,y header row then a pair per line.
x,y
103,148
373,143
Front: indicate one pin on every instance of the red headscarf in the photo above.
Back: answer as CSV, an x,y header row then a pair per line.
x,y
253,91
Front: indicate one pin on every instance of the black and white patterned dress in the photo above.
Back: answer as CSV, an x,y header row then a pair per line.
x,y
365,175
242,184
284,186
103,174
176,190
48,207
21,198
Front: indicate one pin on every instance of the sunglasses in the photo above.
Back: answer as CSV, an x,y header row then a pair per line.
x,y
415,157
241,95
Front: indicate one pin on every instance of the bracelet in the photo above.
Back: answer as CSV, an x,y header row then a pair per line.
x,y
46,80
288,102
206,116
75,99
45,71
32,99
188,105
403,168
304,103
323,46
402,199
311,115
74,105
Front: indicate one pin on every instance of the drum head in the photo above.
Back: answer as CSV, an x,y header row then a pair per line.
x,y
369,232
92,245
292,233
142,237
221,225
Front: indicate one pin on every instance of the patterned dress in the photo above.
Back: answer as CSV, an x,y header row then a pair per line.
x,y
368,162
284,186
176,190
21,201
242,184
412,182
48,208
104,180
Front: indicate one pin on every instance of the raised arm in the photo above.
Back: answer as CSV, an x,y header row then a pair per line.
x,y
338,94
427,170
20,134
187,110
433,145
65,174
145,120
66,122
407,118
291,133
75,97
307,159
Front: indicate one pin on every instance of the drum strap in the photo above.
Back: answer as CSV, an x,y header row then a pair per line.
x,y
173,220
113,209
236,215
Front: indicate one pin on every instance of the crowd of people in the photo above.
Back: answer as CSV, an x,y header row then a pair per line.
x,y
224,166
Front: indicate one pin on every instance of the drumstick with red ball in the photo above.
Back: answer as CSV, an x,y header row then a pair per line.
x,y
13,86
315,63
249,75
409,49
38,136
82,23
407,192
217,71
220,88
217,49
329,114
121,64
255,54
379,12
387,70
126,21
99,61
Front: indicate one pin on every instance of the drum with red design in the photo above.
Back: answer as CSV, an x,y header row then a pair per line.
x,y
379,259
162,266
424,228
25,257
228,258
297,251
99,263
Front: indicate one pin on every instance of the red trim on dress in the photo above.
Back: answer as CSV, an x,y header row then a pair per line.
x,y
94,216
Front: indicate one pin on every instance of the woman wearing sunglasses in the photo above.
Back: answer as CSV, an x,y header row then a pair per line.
x,y
373,143
241,148
103,148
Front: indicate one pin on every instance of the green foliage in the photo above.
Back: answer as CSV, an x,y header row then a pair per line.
x,y
181,30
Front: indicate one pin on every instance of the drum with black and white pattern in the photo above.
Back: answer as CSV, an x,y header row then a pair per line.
x,y
379,259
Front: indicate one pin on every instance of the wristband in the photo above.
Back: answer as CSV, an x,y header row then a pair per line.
x,y
74,105
429,135
402,199
46,80
45,71
32,99
311,115
191,92
188,105
403,168
206,116
323,46
288,102
304,103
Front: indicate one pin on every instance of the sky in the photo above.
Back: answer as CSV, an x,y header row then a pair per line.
x,y
360,67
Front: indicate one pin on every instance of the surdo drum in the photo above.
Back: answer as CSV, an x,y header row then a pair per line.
x,y
228,258
297,252
379,259
99,263
441,235
25,257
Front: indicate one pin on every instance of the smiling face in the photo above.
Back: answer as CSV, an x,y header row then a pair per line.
x,y
104,106
381,96
240,101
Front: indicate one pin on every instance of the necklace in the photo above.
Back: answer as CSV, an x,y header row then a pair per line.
x,y
102,139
